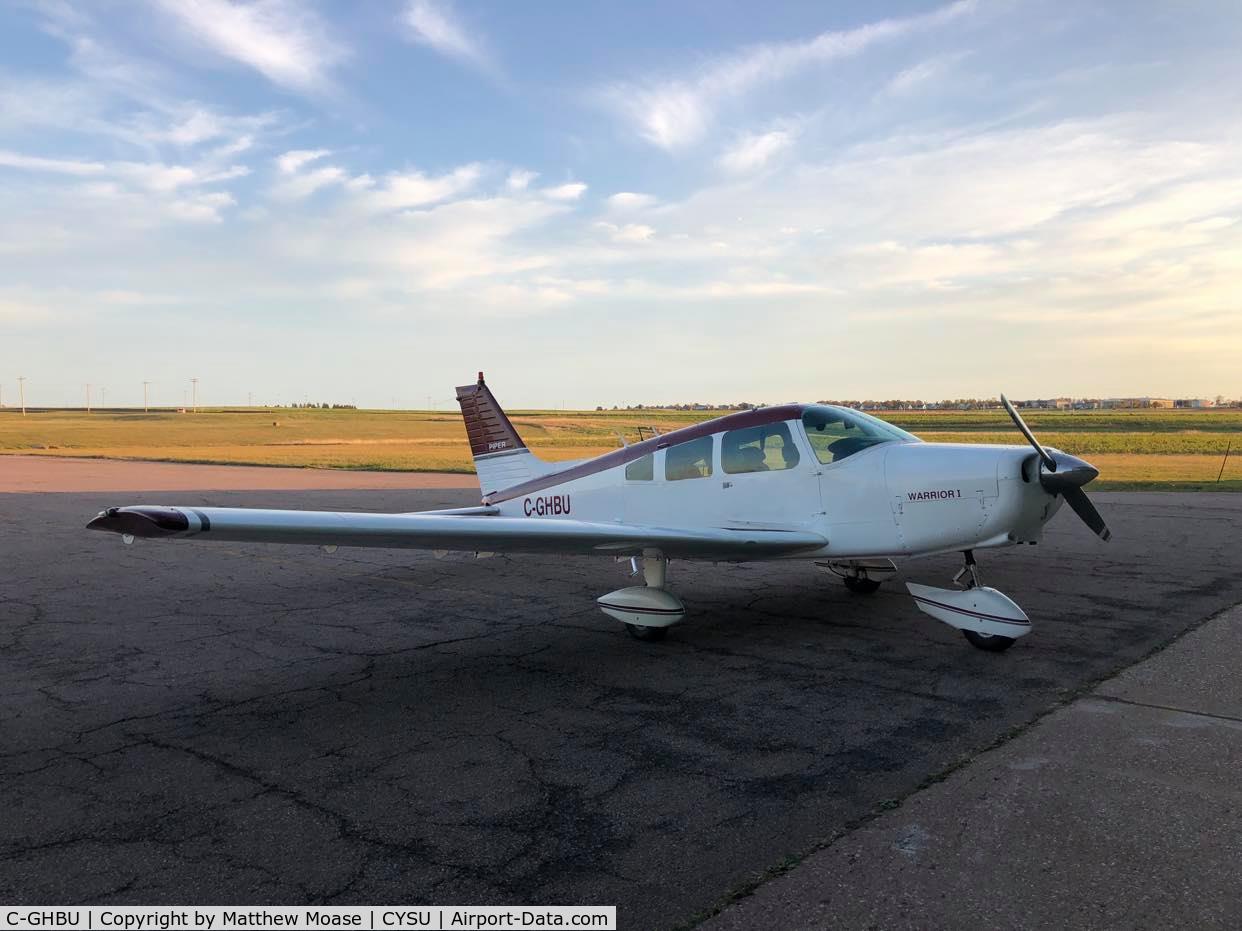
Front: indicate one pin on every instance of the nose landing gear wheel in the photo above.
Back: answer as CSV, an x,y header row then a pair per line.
x,y
993,643
649,634
861,586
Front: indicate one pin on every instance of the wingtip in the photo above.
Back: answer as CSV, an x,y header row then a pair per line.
x,y
141,521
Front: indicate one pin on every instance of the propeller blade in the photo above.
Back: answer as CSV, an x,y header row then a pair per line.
x,y
1065,476
1078,500
1049,462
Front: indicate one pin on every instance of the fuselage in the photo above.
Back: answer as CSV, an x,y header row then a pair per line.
x,y
868,487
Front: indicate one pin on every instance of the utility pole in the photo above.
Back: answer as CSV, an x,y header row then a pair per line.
x,y
88,399
145,407
21,387
103,397
194,382
250,399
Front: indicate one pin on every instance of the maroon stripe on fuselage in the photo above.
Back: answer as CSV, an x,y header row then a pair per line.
x,y
627,454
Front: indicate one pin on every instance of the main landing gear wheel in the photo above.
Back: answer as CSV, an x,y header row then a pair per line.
x,y
993,643
860,586
648,634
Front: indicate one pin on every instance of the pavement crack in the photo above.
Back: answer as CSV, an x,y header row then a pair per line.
x,y
1174,709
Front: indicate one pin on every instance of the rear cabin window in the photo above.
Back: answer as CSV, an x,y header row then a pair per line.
x,y
688,460
768,448
641,470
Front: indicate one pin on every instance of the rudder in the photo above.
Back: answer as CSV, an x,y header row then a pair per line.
x,y
500,457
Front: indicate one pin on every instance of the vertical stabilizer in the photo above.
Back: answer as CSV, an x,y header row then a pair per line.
x,y
500,457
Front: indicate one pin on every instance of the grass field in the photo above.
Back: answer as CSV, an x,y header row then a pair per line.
x,y
1132,449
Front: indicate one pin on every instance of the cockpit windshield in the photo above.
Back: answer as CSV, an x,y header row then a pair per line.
x,y
838,432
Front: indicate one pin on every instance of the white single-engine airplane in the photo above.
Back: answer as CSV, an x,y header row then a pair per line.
x,y
798,481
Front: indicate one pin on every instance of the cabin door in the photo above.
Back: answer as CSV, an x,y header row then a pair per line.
x,y
766,479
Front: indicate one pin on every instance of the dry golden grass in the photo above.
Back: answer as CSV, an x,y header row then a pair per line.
x,y
1168,447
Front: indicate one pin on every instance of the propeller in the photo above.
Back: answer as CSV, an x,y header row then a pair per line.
x,y
1064,475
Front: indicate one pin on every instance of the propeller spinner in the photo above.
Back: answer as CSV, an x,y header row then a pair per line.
x,y
1064,475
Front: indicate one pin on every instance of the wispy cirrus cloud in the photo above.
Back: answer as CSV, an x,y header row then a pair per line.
x,y
435,25
150,176
178,191
754,150
286,42
291,162
405,190
918,77
677,112
60,166
397,190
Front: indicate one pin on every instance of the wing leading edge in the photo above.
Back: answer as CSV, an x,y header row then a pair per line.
x,y
476,531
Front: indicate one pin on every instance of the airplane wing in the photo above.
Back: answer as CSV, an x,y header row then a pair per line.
x,y
469,529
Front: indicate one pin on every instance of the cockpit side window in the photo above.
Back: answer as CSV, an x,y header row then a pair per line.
x,y
766,448
688,460
836,433
641,470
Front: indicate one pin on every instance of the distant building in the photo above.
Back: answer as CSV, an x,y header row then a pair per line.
x,y
1194,402
1137,403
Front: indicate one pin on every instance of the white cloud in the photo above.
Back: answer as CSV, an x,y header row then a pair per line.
x,y
291,162
669,116
918,77
754,150
197,127
628,232
201,208
157,177
629,200
282,40
570,191
520,179
27,102
404,190
1212,224
434,25
395,191
676,113
300,185
62,166
444,246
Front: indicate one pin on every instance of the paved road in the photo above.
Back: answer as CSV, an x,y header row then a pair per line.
x,y
226,723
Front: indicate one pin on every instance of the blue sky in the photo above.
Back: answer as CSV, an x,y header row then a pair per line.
x,y
613,203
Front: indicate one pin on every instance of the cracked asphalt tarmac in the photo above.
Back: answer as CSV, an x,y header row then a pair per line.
x,y
220,723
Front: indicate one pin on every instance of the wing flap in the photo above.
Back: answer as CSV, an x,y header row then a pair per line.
x,y
447,531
